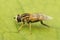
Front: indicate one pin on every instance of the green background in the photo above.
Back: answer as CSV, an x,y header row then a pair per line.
x,y
9,28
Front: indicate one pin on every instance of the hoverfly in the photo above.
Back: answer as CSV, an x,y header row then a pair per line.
x,y
32,18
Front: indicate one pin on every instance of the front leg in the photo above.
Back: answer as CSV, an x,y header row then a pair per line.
x,y
44,24
20,27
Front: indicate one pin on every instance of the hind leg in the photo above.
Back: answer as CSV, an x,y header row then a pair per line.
x,y
44,24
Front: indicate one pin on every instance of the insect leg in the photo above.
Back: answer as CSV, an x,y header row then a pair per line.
x,y
20,27
29,24
44,24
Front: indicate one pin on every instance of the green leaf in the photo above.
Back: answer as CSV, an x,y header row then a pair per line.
x,y
9,27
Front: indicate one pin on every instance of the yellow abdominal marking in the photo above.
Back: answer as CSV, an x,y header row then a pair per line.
x,y
41,18
32,18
